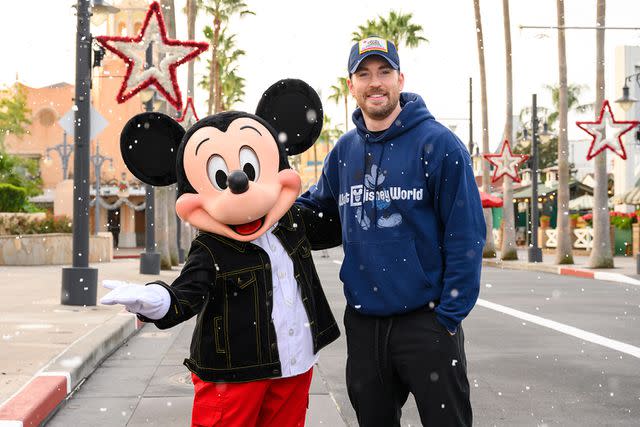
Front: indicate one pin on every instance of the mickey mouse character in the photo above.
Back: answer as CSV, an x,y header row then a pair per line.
x,y
261,313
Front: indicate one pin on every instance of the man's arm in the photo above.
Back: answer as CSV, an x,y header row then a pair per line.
x,y
457,202
319,208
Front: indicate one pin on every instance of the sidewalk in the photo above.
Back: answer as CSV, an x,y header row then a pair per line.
x,y
48,350
624,270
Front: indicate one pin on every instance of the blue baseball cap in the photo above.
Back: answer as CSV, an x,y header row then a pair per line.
x,y
373,46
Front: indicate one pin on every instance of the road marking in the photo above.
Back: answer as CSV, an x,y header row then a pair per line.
x,y
566,329
615,277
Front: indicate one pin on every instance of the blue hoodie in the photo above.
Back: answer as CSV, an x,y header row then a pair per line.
x,y
412,223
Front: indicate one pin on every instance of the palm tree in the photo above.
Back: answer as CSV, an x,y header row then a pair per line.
x,y
508,249
340,92
221,11
573,100
231,85
489,250
397,27
564,254
601,256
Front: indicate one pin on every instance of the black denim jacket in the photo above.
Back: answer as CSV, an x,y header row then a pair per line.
x,y
228,285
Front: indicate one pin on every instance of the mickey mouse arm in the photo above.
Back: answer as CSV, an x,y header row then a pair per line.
x,y
191,288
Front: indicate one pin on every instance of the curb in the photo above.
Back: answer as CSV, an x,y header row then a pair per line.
x,y
37,400
563,271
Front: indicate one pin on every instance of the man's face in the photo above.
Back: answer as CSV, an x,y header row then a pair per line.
x,y
376,87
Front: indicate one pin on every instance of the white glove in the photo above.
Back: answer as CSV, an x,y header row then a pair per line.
x,y
152,301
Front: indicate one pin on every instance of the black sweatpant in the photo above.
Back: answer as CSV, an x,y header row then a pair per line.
x,y
388,357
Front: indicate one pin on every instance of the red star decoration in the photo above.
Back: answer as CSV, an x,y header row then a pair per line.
x,y
506,162
188,114
171,53
613,142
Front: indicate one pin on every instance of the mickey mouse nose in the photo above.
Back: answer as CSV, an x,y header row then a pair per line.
x,y
238,182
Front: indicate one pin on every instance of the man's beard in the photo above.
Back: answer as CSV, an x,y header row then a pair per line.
x,y
380,112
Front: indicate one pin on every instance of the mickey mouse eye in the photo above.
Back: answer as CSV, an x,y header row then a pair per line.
x,y
217,171
249,163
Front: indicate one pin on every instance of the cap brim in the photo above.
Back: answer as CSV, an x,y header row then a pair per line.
x,y
368,54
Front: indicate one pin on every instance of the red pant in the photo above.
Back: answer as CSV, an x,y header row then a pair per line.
x,y
280,402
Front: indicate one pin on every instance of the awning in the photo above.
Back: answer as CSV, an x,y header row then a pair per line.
x,y
585,202
489,201
631,197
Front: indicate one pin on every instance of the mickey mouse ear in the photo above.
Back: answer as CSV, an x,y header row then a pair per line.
x,y
149,147
294,110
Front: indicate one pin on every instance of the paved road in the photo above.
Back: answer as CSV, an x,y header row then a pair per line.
x,y
543,350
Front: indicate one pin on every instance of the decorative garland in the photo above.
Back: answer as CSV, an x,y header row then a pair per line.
x,y
163,75
121,201
506,162
601,142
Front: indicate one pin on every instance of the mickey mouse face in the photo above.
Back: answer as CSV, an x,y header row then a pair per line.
x,y
232,173
240,191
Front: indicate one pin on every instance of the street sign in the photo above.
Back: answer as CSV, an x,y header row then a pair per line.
x,y
97,123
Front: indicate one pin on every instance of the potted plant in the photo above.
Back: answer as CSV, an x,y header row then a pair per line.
x,y
545,220
573,220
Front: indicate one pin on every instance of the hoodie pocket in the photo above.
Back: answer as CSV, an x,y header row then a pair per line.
x,y
384,277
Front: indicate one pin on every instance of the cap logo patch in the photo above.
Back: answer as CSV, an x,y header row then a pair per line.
x,y
372,43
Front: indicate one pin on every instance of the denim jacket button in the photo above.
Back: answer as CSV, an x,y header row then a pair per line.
x,y
267,266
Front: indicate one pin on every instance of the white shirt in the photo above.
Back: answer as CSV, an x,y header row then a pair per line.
x,y
295,343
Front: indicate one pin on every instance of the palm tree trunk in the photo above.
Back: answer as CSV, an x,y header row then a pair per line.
x,y
489,250
191,35
508,248
162,228
346,113
601,256
564,254
215,66
172,225
213,70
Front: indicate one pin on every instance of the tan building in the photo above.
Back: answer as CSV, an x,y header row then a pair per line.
x,y
119,189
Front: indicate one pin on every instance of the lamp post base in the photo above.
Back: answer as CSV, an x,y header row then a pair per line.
x,y
534,254
79,286
150,263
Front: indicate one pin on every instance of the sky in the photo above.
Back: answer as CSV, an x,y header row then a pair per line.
x,y
310,40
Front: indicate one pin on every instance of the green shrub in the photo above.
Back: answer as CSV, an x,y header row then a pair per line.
x,y
12,198
23,225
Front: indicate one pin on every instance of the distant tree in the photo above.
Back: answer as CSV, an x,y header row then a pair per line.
x,y
220,11
340,92
232,85
396,27
20,172
14,112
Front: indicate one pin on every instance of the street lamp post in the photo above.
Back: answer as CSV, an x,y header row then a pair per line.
x,y
97,160
149,259
534,253
64,150
79,282
626,102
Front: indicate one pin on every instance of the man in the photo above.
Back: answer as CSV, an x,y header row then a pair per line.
x,y
413,233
